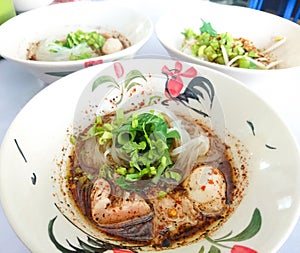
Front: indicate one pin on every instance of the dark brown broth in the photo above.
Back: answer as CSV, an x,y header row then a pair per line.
x,y
219,156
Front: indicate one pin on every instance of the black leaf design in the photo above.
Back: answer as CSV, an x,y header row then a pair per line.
x,y
91,246
20,150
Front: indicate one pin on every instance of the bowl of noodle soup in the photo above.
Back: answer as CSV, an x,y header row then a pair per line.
x,y
269,41
56,40
150,155
158,178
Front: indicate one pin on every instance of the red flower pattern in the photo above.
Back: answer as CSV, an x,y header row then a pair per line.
x,y
119,70
121,251
92,63
242,249
175,83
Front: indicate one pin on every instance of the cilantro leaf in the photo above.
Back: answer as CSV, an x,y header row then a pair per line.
x,y
207,28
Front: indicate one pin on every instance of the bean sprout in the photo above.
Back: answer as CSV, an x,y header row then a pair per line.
x,y
279,41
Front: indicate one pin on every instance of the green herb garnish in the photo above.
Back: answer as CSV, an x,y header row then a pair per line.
x,y
92,40
221,48
207,28
143,143
103,132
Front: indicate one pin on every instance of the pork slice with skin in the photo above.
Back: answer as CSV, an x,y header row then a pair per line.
x,y
108,209
174,211
127,215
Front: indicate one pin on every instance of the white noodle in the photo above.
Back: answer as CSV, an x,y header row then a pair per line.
x,y
201,142
49,51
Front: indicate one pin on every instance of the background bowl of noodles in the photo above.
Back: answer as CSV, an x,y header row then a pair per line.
x,y
262,28
238,216
45,25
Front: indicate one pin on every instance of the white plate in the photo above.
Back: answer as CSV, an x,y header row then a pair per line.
x,y
33,146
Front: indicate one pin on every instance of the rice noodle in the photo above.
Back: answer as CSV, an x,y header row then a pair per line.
x,y
49,51
201,143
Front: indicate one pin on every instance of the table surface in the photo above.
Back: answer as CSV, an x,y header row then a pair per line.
x,y
17,87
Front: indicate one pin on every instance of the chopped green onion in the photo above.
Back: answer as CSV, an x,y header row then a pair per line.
x,y
93,39
161,194
222,48
121,171
143,141
73,139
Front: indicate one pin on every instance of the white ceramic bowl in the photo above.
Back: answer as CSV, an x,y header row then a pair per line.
x,y
61,19
21,5
34,157
258,26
